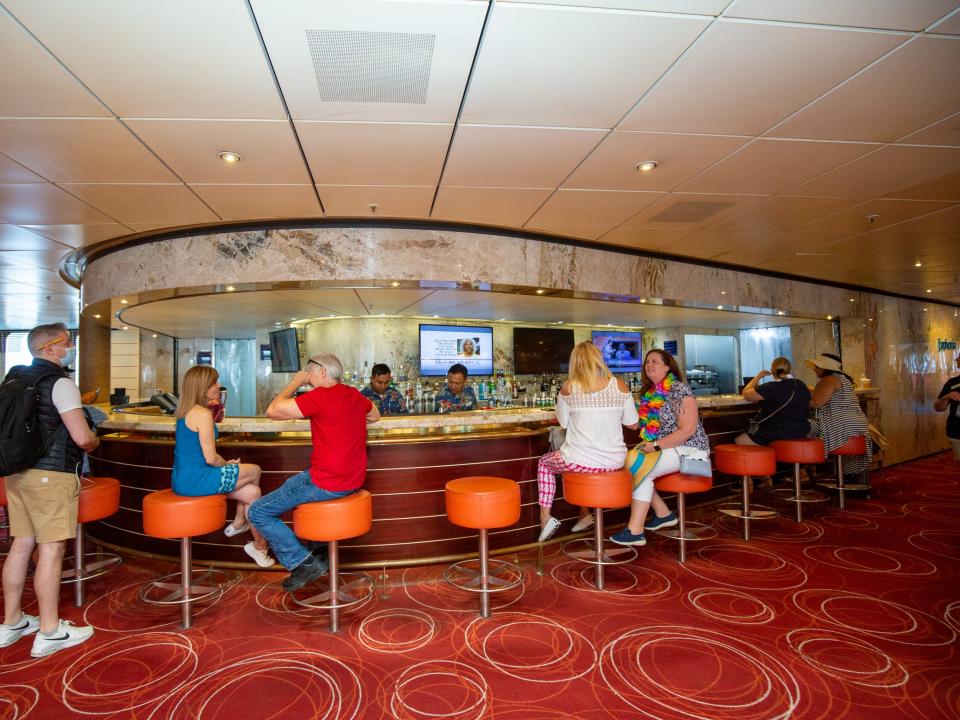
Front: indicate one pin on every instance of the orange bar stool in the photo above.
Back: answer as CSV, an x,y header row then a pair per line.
x,y
685,531
483,503
857,445
802,451
176,517
599,491
330,522
746,461
99,499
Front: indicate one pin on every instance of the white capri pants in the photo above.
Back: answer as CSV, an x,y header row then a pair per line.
x,y
669,462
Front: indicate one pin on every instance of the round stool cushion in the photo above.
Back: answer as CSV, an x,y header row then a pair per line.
x,y
339,519
680,483
801,450
168,515
3,492
857,445
99,498
483,502
745,460
598,490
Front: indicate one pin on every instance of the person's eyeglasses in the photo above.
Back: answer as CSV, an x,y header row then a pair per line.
x,y
311,360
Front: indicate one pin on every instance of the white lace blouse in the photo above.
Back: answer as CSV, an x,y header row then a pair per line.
x,y
593,422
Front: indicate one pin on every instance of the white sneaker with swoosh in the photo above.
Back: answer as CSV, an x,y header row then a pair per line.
x,y
66,635
9,634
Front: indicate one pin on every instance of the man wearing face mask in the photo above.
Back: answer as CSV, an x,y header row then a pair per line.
x,y
42,500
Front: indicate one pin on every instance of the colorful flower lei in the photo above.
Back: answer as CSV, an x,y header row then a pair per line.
x,y
649,408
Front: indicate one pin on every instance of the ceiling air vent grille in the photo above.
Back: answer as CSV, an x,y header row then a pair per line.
x,y
690,212
371,67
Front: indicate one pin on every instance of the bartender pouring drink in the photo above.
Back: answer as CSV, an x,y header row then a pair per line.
x,y
456,396
386,399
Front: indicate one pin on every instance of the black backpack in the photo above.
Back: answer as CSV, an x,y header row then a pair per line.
x,y
21,440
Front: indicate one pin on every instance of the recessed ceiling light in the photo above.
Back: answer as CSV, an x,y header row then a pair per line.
x,y
394,284
923,310
541,292
229,157
436,316
97,317
124,301
154,335
647,165
503,319
719,307
609,324
929,290
559,322
230,288
779,312
126,328
723,292
918,264
852,300
829,317
278,323
643,300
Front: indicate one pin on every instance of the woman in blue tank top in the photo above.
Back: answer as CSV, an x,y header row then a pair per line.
x,y
199,470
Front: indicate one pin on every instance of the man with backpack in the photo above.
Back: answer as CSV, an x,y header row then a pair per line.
x,y
45,434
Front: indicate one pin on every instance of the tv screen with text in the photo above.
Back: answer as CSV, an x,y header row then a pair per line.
x,y
444,345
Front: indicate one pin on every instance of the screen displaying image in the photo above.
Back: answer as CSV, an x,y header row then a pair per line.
x,y
444,345
284,353
622,351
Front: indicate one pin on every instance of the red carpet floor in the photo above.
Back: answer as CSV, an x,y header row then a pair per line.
x,y
852,614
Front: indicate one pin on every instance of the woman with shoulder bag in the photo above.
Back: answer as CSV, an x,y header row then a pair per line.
x,y
784,406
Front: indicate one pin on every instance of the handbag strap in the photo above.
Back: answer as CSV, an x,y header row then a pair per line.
x,y
789,400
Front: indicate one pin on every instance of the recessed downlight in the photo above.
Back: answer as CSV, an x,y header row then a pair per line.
x,y
97,317
230,288
647,166
918,264
541,291
395,284
229,157
929,290
124,301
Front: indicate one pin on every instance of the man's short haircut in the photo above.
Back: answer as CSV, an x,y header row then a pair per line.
x,y
331,363
43,334
458,369
380,369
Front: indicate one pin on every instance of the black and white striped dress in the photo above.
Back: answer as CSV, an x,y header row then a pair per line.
x,y
839,420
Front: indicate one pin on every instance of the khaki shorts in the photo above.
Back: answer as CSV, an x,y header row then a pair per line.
x,y
43,504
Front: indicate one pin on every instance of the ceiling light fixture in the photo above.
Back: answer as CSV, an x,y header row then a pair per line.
x,y
829,317
779,312
230,288
127,328
229,157
918,264
929,290
394,284
541,291
719,307
124,301
154,335
643,300
852,300
97,317
647,165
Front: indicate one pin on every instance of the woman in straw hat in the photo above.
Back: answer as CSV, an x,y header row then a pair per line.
x,y
837,413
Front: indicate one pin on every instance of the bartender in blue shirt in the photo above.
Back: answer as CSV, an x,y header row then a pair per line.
x,y
386,399
456,396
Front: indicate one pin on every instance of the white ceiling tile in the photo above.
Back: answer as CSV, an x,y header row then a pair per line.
x,y
885,14
691,211
491,156
944,132
43,203
374,153
857,219
570,67
13,237
768,167
13,172
613,165
599,209
45,259
250,202
355,201
81,151
950,25
862,108
382,61
169,204
268,148
743,77
178,58
688,7
781,213
892,168
504,207
79,235
762,248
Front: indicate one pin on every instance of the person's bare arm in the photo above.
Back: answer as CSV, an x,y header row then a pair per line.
x,y
941,404
750,390
208,444
79,430
824,390
284,406
374,414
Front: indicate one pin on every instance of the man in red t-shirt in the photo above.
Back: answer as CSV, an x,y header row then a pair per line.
x,y
338,417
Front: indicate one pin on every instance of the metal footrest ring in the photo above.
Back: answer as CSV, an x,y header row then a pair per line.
x,y
203,586
610,554
357,588
501,576
805,496
95,564
693,531
757,512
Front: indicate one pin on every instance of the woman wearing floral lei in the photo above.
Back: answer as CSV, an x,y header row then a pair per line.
x,y
670,428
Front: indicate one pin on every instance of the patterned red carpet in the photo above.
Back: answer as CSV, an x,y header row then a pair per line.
x,y
852,614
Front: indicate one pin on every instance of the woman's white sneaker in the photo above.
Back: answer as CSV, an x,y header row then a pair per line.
x,y
66,635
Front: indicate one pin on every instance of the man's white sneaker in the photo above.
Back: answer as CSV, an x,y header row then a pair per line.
x,y
66,635
9,634
262,557
584,523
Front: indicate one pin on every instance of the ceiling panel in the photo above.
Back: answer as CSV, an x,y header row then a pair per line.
x,y
170,204
528,72
949,25
13,172
756,249
691,211
45,258
487,156
160,59
889,14
613,165
743,77
600,209
861,109
268,149
945,187
247,202
43,203
375,153
781,213
13,237
79,235
945,132
691,7
510,207
647,238
81,151
875,214
387,201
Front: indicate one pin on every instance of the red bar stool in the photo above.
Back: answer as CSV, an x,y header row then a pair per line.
x,y
599,491
685,531
483,503
801,451
746,461
857,445
176,517
99,499
330,522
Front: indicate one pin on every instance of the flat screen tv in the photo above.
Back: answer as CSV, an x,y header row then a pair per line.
x,y
284,352
622,351
444,345
542,350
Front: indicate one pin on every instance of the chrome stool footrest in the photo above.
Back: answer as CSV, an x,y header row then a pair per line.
x,y
94,565
693,531
204,586
805,496
610,554
461,575
756,512
357,588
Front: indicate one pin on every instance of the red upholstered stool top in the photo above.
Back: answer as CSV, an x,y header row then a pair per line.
x,y
801,450
3,492
857,445
598,490
680,483
339,519
168,515
99,498
744,460
483,502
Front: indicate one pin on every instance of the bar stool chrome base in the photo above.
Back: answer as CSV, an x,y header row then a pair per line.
x,y
94,565
501,575
204,584
598,550
357,588
694,531
745,511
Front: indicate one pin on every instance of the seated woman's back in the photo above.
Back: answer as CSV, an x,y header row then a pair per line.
x,y
594,419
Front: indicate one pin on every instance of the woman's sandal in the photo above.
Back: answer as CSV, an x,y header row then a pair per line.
x,y
230,530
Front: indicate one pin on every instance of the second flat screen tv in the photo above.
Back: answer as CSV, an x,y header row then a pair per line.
x,y
284,352
444,345
542,350
622,351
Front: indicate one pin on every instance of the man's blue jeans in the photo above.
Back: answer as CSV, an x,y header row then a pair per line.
x,y
265,515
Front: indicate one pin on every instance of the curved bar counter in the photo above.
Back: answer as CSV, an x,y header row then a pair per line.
x,y
409,460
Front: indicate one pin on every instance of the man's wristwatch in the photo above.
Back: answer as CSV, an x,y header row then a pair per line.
x,y
657,448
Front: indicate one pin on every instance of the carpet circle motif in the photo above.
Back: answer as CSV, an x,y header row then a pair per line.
x,y
631,580
871,560
122,610
745,566
731,606
773,530
945,543
440,689
847,658
935,511
397,630
849,521
437,594
19,701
